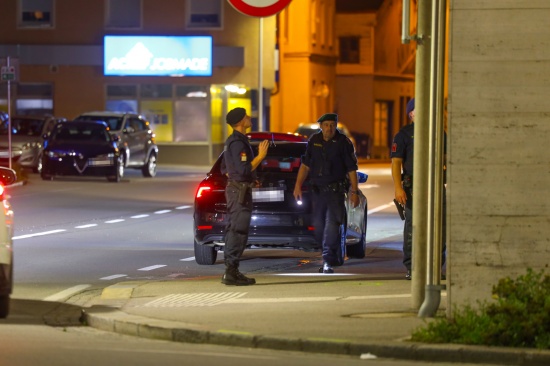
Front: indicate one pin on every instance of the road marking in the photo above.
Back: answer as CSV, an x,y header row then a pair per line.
x,y
139,216
114,221
38,234
162,212
187,259
182,207
187,300
150,268
66,293
316,274
368,186
380,208
85,226
113,277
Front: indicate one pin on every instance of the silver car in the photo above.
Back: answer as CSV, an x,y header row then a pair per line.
x,y
26,140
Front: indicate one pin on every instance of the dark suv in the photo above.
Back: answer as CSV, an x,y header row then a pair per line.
x,y
136,139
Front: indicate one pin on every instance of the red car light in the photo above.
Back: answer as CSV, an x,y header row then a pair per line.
x,y
203,190
1,192
204,227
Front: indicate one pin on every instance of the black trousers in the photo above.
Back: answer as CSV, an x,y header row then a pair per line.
x,y
328,214
236,233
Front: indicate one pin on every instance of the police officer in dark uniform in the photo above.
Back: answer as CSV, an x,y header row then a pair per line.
x,y
239,165
402,155
331,164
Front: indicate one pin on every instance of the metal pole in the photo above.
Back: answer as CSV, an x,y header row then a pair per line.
x,y
9,114
260,77
421,153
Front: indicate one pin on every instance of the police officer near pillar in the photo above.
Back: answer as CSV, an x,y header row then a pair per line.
x,y
331,164
239,165
402,155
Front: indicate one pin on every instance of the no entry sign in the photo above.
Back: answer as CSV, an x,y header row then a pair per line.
x,y
259,8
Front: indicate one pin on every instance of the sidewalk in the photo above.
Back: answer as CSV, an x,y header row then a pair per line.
x,y
344,313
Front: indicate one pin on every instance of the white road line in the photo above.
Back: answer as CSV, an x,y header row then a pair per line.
x,y
113,277
162,212
38,234
182,207
380,208
114,221
139,216
85,226
150,268
187,259
66,293
315,274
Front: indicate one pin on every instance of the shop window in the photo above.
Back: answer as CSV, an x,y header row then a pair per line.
x,y
191,91
156,91
124,105
123,14
33,106
35,13
349,50
34,90
121,91
204,14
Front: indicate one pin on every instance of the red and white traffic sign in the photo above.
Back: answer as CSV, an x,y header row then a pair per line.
x,y
259,8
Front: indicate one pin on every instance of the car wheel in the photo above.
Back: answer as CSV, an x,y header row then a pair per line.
x,y
205,255
38,168
150,168
119,171
4,306
358,250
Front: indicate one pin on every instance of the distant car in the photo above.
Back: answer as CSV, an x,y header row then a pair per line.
x,y
277,219
7,177
136,139
276,136
26,139
308,129
82,148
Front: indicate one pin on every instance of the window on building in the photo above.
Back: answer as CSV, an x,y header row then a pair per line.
x,y
156,91
381,118
122,91
204,14
35,13
123,14
350,50
34,99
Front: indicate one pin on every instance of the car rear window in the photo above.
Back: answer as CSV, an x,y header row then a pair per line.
x,y
24,127
114,123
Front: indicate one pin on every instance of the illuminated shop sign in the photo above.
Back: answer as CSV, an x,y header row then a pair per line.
x,y
157,56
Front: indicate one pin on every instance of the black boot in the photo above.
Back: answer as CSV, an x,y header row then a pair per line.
x,y
233,277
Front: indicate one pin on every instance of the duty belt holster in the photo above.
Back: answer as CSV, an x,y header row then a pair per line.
x,y
407,181
332,187
243,187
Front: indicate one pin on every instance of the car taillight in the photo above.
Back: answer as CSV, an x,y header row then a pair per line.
x,y
1,192
202,190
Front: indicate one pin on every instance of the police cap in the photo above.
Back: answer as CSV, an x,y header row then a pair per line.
x,y
410,106
235,115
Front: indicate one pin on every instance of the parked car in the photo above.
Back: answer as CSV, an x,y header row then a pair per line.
x,y
276,136
278,220
82,148
136,139
308,129
7,177
26,139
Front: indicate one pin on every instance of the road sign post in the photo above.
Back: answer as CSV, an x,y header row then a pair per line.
x,y
260,9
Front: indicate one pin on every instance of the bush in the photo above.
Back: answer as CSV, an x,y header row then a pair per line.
x,y
520,317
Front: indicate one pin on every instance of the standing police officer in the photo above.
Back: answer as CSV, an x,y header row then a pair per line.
x,y
239,165
332,165
402,154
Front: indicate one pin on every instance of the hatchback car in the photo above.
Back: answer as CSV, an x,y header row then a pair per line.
x,y
82,148
278,220
7,177
136,140
26,140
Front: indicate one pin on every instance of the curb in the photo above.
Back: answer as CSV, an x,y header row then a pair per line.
x,y
113,320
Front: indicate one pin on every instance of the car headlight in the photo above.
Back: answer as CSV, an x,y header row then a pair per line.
x,y
31,145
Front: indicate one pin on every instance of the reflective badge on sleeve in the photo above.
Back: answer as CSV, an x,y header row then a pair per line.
x,y
394,147
243,156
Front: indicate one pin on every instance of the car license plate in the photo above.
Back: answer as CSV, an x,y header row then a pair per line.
x,y
268,195
100,162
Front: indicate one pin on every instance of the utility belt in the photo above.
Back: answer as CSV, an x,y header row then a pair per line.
x,y
243,188
340,187
407,181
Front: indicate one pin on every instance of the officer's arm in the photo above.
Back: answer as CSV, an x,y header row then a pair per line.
x,y
302,175
396,166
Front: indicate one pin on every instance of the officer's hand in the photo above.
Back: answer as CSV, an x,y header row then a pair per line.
x,y
262,148
297,193
401,196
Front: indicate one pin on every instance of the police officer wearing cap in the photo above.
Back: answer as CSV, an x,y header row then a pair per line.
x,y
239,165
402,155
331,164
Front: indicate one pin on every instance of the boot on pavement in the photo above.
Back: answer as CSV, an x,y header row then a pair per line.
x,y
232,277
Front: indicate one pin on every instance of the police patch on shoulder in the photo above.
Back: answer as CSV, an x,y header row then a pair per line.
x,y
243,156
394,147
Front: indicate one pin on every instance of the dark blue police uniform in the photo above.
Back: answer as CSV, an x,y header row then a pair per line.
x,y
237,157
329,163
